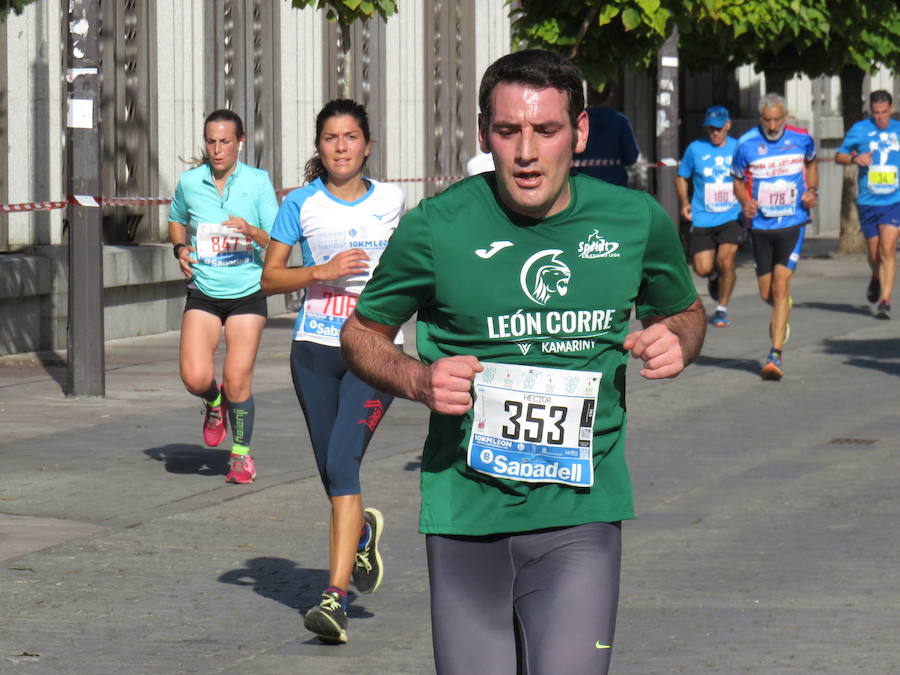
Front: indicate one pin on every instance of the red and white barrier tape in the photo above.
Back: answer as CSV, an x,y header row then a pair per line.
x,y
31,206
83,200
88,200
668,161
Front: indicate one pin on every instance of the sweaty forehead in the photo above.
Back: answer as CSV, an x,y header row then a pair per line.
x,y
221,129
518,103
772,111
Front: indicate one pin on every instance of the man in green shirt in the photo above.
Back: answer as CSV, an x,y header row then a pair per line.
x,y
523,280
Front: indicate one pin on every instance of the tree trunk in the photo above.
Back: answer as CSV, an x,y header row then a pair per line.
x,y
775,80
345,78
850,239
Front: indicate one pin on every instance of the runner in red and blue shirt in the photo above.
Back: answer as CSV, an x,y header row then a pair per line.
x,y
775,168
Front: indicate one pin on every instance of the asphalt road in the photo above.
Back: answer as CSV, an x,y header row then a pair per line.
x,y
767,540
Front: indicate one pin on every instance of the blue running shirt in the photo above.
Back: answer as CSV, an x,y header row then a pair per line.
x,y
775,174
709,166
324,226
878,184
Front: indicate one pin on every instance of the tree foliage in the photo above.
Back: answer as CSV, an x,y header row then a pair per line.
x,y
348,11
599,35
813,37
780,37
17,6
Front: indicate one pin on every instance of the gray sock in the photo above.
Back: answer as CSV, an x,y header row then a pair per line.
x,y
241,417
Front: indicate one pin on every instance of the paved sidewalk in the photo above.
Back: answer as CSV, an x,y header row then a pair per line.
x,y
766,542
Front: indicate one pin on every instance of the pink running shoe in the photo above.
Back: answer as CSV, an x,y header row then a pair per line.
x,y
215,424
243,470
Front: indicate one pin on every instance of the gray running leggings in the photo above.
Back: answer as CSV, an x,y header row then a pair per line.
x,y
538,603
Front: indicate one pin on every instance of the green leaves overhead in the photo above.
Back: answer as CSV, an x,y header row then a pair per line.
x,y
630,18
348,11
17,6
601,34
813,37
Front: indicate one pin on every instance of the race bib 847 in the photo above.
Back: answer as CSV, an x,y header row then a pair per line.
x,y
220,246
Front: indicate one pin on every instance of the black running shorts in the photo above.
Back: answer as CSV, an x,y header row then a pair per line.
x,y
255,303
708,238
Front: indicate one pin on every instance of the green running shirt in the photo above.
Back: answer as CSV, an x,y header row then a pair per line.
x,y
555,293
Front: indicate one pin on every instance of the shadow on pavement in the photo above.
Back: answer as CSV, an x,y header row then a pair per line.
x,y
281,580
747,365
280,322
835,307
191,459
880,354
57,368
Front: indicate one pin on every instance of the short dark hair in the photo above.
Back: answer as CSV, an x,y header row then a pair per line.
x,y
534,68
881,96
225,115
336,108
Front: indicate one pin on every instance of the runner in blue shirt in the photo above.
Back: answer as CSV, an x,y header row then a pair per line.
x,y
775,168
874,146
219,223
714,214
342,221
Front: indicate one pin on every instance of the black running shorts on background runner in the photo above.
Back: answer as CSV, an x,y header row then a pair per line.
x,y
255,303
777,247
708,238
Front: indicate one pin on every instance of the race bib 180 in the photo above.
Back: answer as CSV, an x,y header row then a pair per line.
x,y
718,197
534,424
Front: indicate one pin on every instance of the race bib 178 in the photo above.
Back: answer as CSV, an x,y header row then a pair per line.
x,y
534,424
777,198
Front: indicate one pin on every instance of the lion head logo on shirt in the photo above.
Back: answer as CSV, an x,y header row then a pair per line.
x,y
545,275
